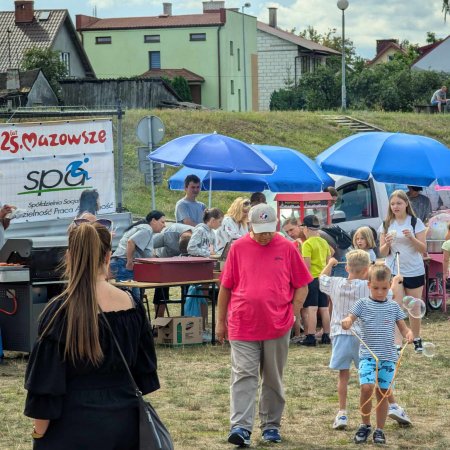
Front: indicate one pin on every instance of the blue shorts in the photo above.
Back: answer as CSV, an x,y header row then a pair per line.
x,y
386,370
345,349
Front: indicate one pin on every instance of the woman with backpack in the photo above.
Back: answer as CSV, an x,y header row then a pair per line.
x,y
402,236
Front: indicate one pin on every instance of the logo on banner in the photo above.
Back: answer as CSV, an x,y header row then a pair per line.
x,y
45,181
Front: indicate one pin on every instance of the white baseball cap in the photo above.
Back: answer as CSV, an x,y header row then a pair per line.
x,y
263,218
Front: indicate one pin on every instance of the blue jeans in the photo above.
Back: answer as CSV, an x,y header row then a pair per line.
x,y
121,273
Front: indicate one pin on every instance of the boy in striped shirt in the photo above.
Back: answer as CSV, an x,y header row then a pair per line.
x,y
377,316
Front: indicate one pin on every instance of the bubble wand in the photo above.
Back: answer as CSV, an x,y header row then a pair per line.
x,y
376,386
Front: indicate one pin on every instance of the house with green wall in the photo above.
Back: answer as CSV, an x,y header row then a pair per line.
x,y
216,49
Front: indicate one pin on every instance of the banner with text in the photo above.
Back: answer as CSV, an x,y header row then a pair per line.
x,y
44,167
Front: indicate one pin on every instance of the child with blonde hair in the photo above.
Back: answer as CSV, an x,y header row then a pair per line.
x,y
363,239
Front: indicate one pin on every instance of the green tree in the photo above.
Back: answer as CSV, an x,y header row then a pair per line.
x,y
445,8
431,37
49,62
181,87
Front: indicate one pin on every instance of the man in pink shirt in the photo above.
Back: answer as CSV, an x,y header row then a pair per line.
x,y
263,286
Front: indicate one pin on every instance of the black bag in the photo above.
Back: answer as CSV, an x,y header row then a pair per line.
x,y
153,434
342,238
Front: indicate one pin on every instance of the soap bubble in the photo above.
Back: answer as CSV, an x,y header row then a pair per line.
x,y
415,306
428,349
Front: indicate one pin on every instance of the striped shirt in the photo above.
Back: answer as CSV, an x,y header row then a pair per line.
x,y
377,320
344,294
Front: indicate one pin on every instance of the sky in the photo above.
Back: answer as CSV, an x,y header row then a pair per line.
x,y
365,20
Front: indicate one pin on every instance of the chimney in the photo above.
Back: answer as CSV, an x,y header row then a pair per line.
x,y
24,11
167,9
12,80
273,17
383,43
213,6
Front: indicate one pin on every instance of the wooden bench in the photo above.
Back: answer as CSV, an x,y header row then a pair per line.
x,y
427,109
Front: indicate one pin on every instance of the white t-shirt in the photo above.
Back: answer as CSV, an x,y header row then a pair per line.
x,y
411,261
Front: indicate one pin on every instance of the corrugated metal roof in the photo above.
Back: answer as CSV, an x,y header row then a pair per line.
x,y
172,73
298,40
188,20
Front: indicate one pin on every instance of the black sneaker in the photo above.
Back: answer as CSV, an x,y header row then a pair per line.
x,y
240,437
418,345
309,341
379,437
362,434
325,338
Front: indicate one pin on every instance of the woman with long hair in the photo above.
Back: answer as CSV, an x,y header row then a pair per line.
x,y
235,222
402,236
79,393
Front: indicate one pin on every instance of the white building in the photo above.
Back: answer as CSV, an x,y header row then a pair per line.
x,y
282,56
436,57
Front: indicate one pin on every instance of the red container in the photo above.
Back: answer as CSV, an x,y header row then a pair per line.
x,y
162,270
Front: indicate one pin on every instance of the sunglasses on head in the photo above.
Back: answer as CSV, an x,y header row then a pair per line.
x,y
103,222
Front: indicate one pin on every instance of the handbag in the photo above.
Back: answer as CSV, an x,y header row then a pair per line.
x,y
153,434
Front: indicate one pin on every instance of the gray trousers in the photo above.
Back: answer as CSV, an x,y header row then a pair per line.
x,y
249,359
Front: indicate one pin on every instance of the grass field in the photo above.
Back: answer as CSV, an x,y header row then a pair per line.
x,y
304,131
194,398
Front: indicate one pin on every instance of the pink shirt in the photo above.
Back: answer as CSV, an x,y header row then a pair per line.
x,y
262,280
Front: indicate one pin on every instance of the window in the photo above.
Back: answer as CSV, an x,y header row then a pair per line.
x,y
316,63
231,48
239,58
232,87
239,100
154,59
197,36
65,58
305,64
151,38
356,201
103,40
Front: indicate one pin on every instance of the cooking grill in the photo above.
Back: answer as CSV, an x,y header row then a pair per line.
x,y
25,289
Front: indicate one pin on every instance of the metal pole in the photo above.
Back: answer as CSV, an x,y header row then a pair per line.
x,y
119,156
344,91
244,58
150,147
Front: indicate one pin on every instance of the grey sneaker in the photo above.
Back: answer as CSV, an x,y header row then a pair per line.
x,y
363,433
379,437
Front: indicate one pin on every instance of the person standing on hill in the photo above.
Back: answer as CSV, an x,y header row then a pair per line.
x,y
188,210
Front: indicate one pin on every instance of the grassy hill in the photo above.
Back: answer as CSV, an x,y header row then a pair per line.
x,y
304,131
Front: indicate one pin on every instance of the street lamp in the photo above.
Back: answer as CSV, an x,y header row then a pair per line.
x,y
245,5
343,5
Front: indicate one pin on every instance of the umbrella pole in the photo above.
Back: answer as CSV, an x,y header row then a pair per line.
x,y
210,190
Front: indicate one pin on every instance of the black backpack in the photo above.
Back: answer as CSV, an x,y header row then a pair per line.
x,y
342,238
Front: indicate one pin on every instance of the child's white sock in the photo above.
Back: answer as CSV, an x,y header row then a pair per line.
x,y
342,412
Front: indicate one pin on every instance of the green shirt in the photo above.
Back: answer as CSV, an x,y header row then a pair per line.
x,y
317,249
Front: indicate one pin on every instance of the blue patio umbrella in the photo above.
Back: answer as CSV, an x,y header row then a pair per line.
x,y
213,152
389,157
295,172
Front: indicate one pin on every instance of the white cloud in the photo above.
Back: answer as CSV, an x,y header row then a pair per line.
x,y
366,20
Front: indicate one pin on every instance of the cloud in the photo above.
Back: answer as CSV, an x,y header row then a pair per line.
x,y
366,20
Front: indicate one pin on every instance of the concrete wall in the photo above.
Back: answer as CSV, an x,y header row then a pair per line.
x,y
64,43
276,63
438,59
41,93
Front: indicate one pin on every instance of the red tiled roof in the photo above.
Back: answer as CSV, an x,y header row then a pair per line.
x,y
189,20
423,51
298,40
384,49
172,73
